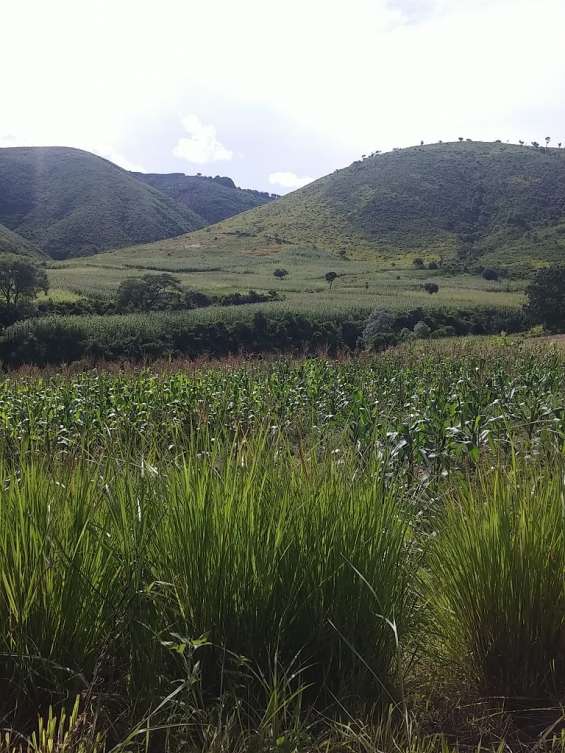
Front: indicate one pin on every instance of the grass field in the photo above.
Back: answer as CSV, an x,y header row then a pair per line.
x,y
221,265
287,555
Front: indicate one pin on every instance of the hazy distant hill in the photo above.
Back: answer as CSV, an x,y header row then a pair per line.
x,y
213,199
70,202
500,202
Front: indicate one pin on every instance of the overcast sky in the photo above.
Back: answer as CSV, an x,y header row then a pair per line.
x,y
276,93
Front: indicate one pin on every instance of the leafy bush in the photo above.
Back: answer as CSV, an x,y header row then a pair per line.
x,y
546,298
421,330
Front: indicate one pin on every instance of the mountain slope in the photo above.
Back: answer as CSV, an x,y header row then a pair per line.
x,y
214,199
12,243
498,202
70,202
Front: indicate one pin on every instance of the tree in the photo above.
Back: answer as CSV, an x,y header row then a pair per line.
x,y
535,144
546,298
280,273
489,274
547,140
149,293
460,139
418,262
379,327
431,287
330,277
422,331
433,265
20,279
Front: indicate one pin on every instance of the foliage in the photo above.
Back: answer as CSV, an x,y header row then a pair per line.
x,y
148,293
489,273
546,298
20,280
216,331
330,277
421,330
431,287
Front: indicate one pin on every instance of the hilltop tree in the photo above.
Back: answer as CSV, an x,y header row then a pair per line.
x,y
521,142
20,279
535,144
330,277
418,262
280,273
546,298
547,140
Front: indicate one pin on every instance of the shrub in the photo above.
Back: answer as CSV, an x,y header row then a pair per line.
x,y
489,274
379,327
421,330
546,298
431,287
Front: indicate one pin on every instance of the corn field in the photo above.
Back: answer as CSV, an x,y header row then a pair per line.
x,y
291,554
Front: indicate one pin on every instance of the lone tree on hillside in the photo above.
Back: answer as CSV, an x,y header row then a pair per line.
x,y
418,262
546,298
280,273
489,274
547,140
431,287
330,277
20,279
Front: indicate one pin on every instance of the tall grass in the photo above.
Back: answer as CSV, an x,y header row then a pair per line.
x,y
264,552
497,582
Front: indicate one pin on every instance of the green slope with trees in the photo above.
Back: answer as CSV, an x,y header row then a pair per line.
x,y
71,203
472,202
12,243
213,199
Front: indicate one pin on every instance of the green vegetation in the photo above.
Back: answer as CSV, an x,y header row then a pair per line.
x,y
470,203
219,331
546,298
12,243
69,202
212,199
292,555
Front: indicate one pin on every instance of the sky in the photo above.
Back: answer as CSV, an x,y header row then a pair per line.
x,y
276,94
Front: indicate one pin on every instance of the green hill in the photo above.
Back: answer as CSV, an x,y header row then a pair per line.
x,y
12,243
500,203
213,199
71,203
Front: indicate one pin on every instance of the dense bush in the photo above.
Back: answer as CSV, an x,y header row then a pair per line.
x,y
218,332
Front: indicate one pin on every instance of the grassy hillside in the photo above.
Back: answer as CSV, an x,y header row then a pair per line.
x,y
213,199
468,204
12,243
501,203
70,202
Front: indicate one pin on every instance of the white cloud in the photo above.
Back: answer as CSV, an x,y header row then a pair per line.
x,y
288,180
118,158
7,140
201,145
